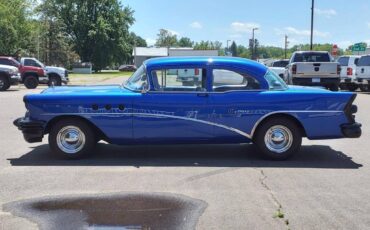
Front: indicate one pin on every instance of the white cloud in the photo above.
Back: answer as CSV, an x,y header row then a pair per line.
x,y
173,32
150,41
196,25
327,13
344,44
243,27
305,33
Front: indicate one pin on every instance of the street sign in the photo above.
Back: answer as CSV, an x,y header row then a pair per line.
x,y
334,50
358,47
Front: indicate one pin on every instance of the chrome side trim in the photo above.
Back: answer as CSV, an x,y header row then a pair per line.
x,y
249,136
161,116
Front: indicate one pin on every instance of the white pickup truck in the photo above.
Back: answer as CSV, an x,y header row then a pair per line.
x,y
348,64
363,73
313,68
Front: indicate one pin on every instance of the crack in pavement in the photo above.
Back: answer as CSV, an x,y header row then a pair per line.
x,y
279,211
210,173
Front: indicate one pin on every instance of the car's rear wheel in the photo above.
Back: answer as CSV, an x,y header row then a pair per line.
x,y
365,88
31,82
334,88
278,138
55,81
4,83
352,87
72,138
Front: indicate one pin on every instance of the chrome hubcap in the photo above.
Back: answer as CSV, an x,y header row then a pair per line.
x,y
1,83
71,139
278,139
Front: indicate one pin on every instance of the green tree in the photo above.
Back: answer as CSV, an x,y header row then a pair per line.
x,y
166,38
54,44
208,45
97,29
16,26
234,49
137,41
185,42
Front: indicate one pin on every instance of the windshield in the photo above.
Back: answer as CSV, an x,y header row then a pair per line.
x,y
137,81
274,81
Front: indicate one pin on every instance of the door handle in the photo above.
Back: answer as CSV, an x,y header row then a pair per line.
x,y
202,94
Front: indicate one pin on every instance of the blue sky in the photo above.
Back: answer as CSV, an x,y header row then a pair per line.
x,y
341,22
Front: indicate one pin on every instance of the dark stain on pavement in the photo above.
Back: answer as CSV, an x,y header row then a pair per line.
x,y
113,211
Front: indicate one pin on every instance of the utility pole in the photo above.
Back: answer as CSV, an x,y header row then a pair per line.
x,y
312,15
286,46
253,44
227,47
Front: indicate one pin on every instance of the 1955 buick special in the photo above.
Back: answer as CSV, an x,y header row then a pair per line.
x,y
233,101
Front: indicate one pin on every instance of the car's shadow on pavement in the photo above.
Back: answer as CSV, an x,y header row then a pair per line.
x,y
316,156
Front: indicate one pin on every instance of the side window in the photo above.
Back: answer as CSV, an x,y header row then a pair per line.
x,y
227,80
29,62
190,79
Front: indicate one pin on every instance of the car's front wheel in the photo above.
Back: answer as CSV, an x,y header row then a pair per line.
x,y
278,138
365,88
31,82
55,81
72,138
4,83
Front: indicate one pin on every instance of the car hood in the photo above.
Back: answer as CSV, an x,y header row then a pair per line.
x,y
8,67
87,90
53,68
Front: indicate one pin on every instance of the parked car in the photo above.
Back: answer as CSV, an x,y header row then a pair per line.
x,y
363,73
9,75
313,68
255,105
348,65
31,75
127,68
55,75
279,67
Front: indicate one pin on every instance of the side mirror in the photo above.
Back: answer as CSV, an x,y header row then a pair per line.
x,y
144,87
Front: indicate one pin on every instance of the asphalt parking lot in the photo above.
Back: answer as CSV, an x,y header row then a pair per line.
x,y
325,186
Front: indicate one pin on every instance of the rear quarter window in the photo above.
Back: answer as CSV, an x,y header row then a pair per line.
x,y
364,61
343,61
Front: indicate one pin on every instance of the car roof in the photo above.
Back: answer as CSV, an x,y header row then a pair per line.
x,y
234,62
311,51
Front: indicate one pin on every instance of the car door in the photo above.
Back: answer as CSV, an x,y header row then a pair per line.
x,y
171,112
233,104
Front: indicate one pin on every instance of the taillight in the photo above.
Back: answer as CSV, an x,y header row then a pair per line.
x,y
349,71
196,71
338,69
294,69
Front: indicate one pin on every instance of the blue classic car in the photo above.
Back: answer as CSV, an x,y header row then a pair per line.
x,y
232,100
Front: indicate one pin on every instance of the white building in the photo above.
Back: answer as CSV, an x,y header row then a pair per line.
x,y
143,53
